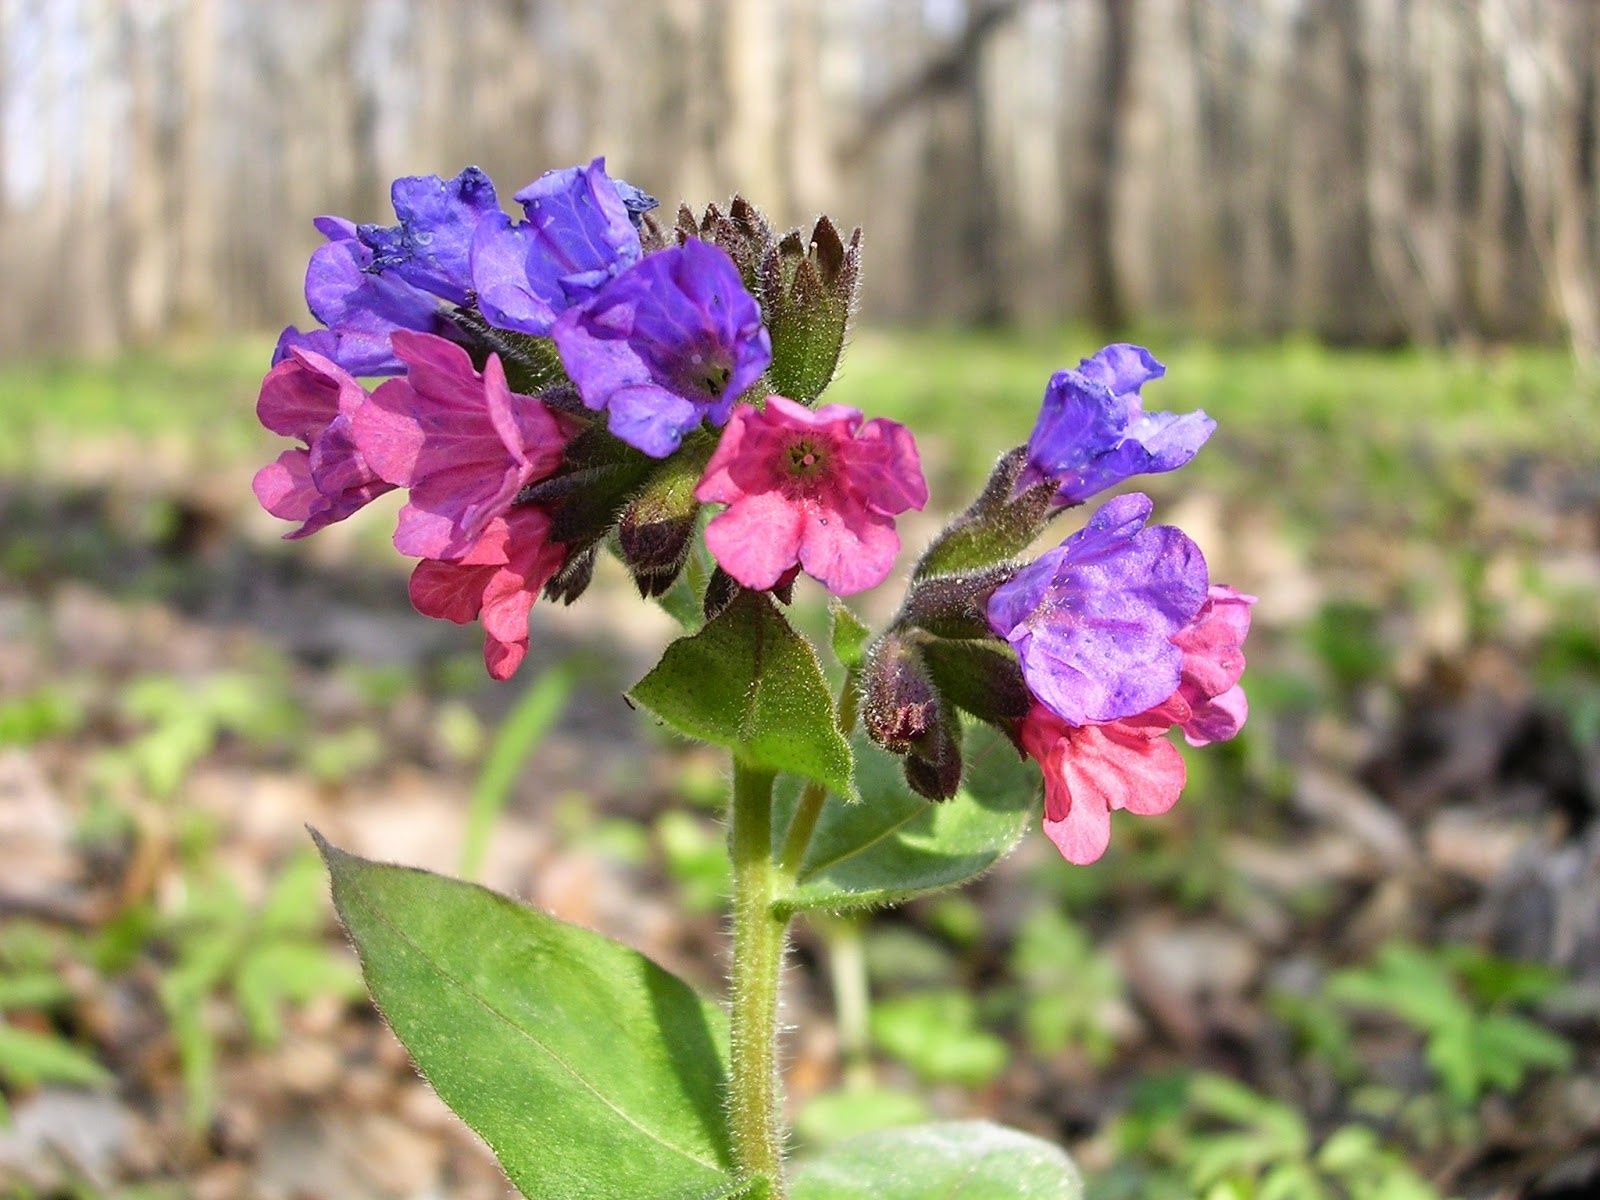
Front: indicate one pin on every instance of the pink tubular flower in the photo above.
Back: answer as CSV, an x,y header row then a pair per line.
x,y
498,579
309,398
464,443
818,489
1089,770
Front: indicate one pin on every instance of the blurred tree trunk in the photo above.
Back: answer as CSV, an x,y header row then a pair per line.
x,y
1105,304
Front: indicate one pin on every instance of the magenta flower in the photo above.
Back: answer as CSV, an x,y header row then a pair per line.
x,y
1093,620
667,344
464,443
1092,769
498,580
818,489
309,398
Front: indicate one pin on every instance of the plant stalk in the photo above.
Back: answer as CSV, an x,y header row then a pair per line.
x,y
758,945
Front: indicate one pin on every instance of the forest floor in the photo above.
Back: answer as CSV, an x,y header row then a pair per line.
x,y
1362,955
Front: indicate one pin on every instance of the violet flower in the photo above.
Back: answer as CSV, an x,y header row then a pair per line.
x,y
430,247
1093,620
578,234
669,343
1093,433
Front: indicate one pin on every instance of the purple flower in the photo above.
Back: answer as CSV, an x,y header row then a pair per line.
x,y
360,309
1093,620
464,443
309,398
578,234
1093,433
670,342
431,245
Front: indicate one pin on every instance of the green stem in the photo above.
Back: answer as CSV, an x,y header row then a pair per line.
x,y
758,945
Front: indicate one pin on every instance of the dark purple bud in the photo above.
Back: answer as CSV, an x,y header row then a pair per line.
x,y
901,705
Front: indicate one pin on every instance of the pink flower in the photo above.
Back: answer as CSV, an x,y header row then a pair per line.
x,y
309,398
464,443
498,579
1209,704
818,489
1090,770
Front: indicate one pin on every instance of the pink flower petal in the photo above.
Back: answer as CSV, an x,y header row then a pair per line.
x,y
757,539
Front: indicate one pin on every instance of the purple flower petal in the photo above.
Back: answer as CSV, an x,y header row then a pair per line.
x,y
1093,620
669,343
362,310
1093,433
578,235
430,247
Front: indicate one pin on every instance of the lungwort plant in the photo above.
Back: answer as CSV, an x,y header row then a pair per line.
x,y
585,378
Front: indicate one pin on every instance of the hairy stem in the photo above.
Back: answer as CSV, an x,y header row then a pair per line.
x,y
758,945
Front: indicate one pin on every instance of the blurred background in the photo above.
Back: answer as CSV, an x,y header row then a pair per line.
x,y
1362,957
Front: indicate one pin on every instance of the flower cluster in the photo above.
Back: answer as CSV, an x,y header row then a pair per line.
x,y
555,377
1116,637
576,377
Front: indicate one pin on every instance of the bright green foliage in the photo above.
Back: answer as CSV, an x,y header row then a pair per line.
x,y
697,859
848,637
518,736
895,845
852,1111
749,682
48,712
956,1160
181,720
29,980
1067,986
937,1035
590,1072
263,959
1211,1137
1460,1001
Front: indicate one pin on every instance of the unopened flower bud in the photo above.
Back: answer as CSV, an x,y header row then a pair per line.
x,y
808,294
933,767
901,704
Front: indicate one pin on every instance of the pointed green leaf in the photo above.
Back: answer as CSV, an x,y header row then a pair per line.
x,y
849,635
893,845
590,1071
953,1160
749,682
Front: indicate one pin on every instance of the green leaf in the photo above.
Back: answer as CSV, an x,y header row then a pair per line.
x,y
749,682
28,1058
590,1071
954,1160
836,1116
894,845
848,636
937,1035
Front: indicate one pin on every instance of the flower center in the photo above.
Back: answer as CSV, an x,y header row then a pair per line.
x,y
807,459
